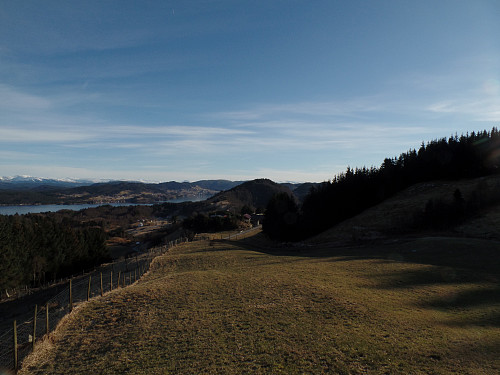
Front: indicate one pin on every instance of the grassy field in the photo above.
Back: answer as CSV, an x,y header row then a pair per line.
x,y
239,307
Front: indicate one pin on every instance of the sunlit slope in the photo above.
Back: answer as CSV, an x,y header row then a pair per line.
x,y
227,309
396,215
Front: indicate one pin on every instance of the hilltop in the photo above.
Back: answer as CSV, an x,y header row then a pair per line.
x,y
255,194
249,307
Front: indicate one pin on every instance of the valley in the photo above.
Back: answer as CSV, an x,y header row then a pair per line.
x,y
358,299
389,270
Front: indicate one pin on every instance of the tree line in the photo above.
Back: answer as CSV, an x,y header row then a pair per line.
x,y
37,248
215,222
348,194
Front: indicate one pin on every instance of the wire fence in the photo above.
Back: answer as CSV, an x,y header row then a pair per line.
x,y
19,292
18,341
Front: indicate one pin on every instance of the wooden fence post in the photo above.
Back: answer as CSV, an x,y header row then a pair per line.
x,y
119,275
102,291
47,318
88,288
15,346
70,295
34,326
111,281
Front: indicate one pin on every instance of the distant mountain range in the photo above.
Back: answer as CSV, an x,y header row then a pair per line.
x,y
28,182
34,182
35,190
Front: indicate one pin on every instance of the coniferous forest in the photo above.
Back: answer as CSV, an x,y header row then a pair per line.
x,y
348,194
39,248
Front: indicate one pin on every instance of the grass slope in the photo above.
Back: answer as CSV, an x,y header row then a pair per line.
x,y
396,214
224,308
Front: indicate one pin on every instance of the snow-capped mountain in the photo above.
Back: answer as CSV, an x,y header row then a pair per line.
x,y
27,182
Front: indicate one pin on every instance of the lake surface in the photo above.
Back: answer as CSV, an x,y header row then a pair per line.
x,y
35,209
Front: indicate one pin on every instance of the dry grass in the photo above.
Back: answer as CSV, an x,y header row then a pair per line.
x,y
223,308
397,213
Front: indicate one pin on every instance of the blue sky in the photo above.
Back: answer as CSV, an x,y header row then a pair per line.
x,y
287,90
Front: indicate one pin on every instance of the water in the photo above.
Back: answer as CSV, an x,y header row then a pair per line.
x,y
35,209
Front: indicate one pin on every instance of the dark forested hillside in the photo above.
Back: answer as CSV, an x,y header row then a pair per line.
x,y
34,248
348,194
221,211
255,194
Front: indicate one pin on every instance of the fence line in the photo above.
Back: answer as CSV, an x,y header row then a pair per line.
x,y
17,342
19,292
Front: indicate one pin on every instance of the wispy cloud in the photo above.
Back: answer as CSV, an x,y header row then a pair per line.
x,y
50,135
468,90
341,108
176,130
354,131
13,99
6,155
357,123
477,109
293,127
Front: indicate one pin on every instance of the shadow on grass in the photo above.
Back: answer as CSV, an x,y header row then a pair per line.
x,y
261,244
477,307
429,276
490,319
471,296
477,255
466,299
469,267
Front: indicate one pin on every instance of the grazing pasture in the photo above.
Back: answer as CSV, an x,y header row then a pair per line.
x,y
242,307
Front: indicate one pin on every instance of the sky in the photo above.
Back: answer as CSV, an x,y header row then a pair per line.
x,y
288,90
